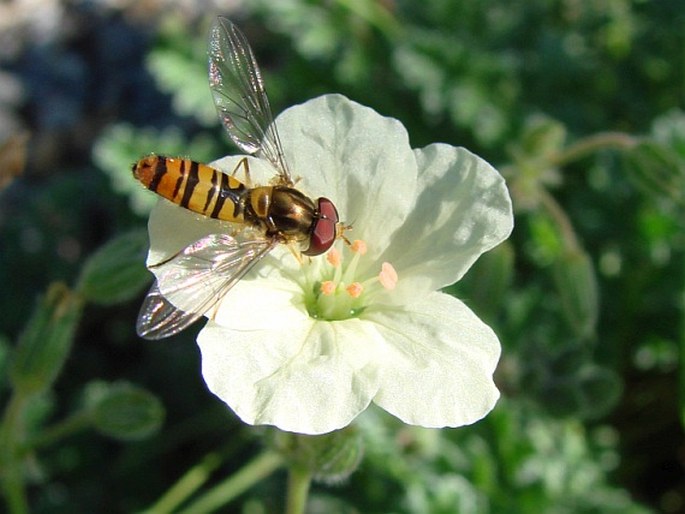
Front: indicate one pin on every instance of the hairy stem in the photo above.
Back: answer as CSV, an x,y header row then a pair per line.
x,y
591,144
256,470
561,219
11,472
299,480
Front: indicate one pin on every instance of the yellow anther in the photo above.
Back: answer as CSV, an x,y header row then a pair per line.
x,y
333,257
388,276
327,287
358,246
355,289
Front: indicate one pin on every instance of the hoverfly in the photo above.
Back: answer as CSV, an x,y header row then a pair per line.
x,y
278,214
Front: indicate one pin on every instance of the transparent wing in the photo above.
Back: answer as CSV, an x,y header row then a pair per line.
x,y
240,97
158,318
192,282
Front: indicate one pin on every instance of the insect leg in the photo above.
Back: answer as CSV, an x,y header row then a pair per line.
x,y
340,230
246,171
295,251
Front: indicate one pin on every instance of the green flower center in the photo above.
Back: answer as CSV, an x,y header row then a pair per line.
x,y
338,293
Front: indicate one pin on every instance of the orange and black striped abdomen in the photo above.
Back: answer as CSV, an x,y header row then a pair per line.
x,y
195,186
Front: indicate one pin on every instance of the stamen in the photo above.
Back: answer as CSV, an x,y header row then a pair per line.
x,y
327,287
388,276
358,246
355,289
333,257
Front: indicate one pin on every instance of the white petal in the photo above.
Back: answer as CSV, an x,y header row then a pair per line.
x,y
171,228
357,158
261,171
463,210
306,376
264,298
438,364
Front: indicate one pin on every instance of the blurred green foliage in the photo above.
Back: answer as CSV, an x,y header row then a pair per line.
x,y
581,106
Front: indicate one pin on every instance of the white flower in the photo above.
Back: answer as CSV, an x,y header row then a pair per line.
x,y
290,346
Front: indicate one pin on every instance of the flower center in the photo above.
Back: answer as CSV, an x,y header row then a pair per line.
x,y
339,293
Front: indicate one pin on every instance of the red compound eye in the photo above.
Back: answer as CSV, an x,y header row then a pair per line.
x,y
323,231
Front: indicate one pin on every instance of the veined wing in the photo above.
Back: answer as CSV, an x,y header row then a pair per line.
x,y
194,280
240,98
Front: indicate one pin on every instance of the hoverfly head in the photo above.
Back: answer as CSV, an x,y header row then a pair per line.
x,y
325,228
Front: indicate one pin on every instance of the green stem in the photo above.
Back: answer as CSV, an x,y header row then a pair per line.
x,y
682,364
561,219
11,472
591,144
187,485
299,480
236,484
68,426
376,15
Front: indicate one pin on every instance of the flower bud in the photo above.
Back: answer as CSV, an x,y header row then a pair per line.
x,y
542,136
330,458
657,169
123,411
575,280
599,390
116,272
488,281
46,341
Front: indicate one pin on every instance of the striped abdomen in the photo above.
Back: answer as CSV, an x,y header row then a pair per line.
x,y
195,186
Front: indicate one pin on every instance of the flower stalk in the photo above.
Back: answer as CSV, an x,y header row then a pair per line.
x,y
11,469
224,492
299,481
591,144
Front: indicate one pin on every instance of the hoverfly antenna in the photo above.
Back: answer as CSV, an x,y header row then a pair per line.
x,y
340,229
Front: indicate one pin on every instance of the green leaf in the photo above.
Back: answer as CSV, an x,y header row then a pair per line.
x,y
124,411
121,145
488,281
116,272
669,129
46,341
599,389
179,65
658,170
5,359
185,77
682,366
656,354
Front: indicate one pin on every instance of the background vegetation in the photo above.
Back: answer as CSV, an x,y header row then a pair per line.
x,y
579,104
